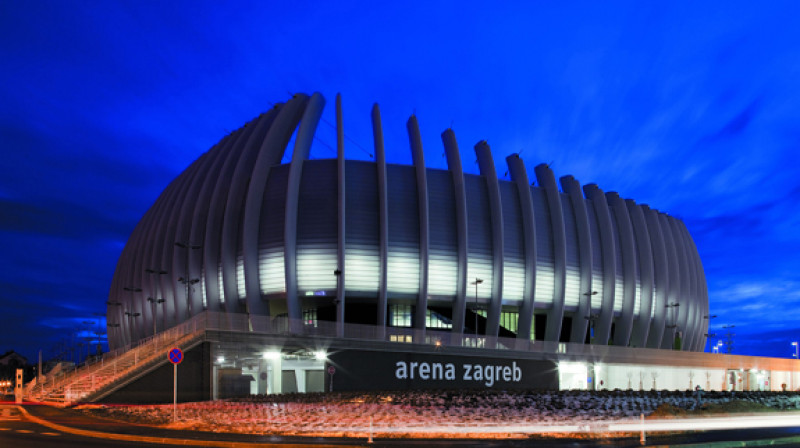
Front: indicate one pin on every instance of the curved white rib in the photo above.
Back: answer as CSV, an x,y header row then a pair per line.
x,y
641,325
460,198
270,154
520,176
622,331
417,156
603,327
579,319
487,170
383,216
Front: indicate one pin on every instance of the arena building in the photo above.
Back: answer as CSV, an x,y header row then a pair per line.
x,y
317,274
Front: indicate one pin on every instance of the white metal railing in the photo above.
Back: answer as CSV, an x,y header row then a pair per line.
x,y
116,365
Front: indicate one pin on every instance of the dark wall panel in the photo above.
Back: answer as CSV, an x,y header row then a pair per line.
x,y
372,370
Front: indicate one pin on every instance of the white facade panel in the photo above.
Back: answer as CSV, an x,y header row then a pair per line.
x,y
362,264
271,270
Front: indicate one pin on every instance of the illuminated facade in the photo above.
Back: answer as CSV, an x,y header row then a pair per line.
x,y
396,246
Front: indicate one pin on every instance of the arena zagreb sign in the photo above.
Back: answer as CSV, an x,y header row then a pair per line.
x,y
375,370
487,374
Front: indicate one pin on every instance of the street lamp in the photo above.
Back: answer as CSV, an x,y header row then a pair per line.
x,y
796,349
118,317
155,273
131,316
477,282
153,303
187,280
672,305
729,338
591,317
132,290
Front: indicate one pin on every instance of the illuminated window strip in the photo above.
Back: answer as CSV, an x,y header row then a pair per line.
x,y
572,288
362,268
619,294
271,270
442,274
315,266
637,304
240,285
403,271
479,266
221,286
513,280
203,287
545,284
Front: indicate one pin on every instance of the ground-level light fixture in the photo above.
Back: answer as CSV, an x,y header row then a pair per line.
x,y
272,355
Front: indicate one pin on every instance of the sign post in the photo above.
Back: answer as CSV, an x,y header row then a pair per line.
x,y
175,356
331,371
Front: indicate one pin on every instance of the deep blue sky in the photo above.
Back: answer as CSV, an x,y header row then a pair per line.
x,y
689,107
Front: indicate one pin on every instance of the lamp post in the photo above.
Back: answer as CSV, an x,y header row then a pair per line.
x,y
591,317
337,302
671,311
672,307
118,316
153,303
187,279
132,290
131,316
155,300
477,282
729,338
709,317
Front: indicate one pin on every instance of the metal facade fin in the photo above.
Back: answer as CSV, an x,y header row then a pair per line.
x,y
580,320
516,168
420,317
460,199
383,217
641,324
607,249
622,332
486,166
302,148
270,152
555,316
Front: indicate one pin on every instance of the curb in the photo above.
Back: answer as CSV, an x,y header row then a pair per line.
x,y
162,440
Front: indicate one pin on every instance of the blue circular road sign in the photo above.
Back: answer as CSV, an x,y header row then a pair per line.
x,y
175,355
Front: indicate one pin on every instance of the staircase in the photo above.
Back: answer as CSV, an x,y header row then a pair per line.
x,y
95,381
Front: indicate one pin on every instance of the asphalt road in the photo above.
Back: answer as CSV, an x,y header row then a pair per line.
x,y
19,430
